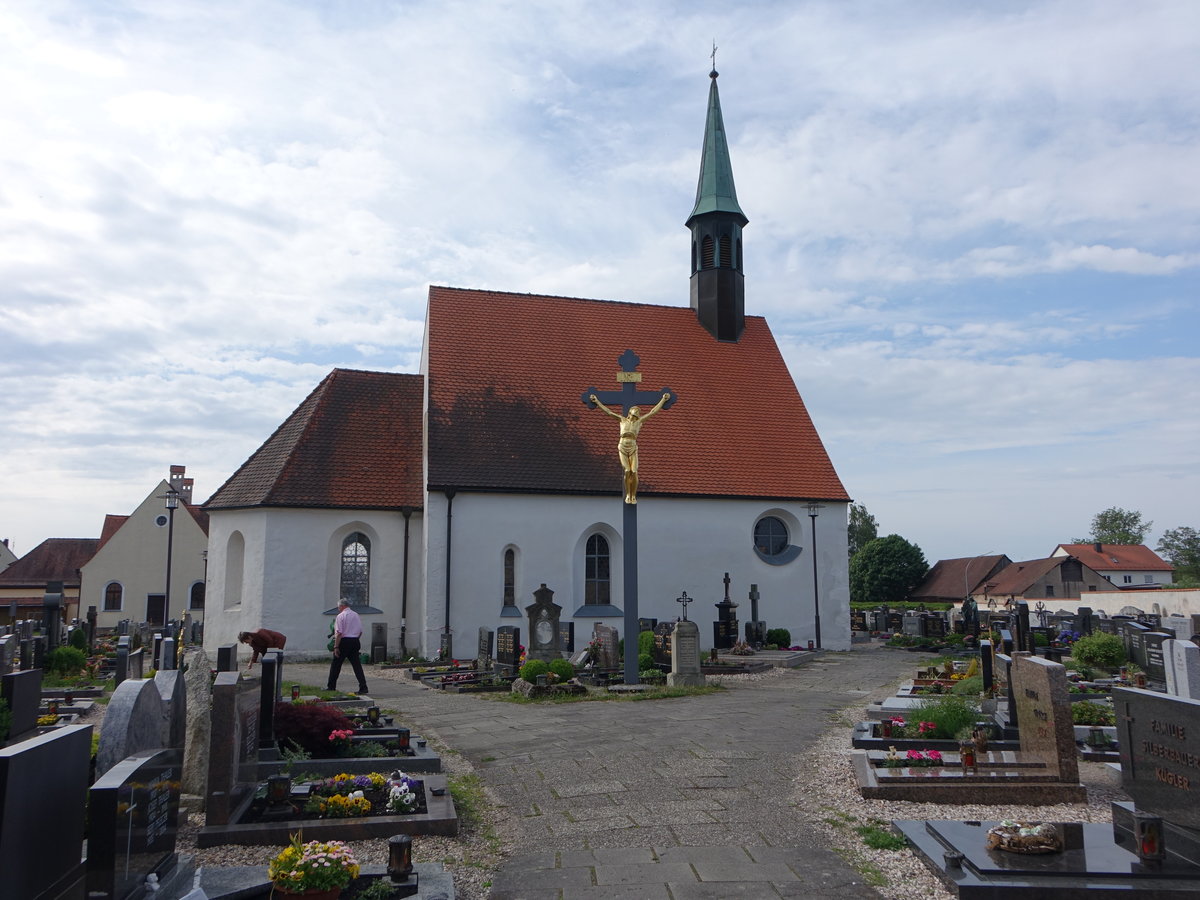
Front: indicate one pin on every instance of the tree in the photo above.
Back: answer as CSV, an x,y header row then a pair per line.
x,y
1181,548
1117,526
862,528
886,570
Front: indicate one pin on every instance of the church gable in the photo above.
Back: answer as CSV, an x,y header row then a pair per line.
x,y
506,375
355,442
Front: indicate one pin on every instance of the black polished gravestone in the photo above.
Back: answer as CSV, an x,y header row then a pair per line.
x,y
1159,739
1155,665
232,748
566,636
508,649
133,821
858,621
22,691
43,789
662,643
227,658
725,629
483,651
935,625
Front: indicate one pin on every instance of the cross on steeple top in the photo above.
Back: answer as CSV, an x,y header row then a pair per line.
x,y
714,60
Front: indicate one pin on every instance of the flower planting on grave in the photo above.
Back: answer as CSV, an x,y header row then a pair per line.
x,y
314,866
913,758
309,725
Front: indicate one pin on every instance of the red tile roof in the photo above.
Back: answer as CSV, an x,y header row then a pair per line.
x,y
506,372
112,524
355,442
54,559
953,579
1117,557
1018,577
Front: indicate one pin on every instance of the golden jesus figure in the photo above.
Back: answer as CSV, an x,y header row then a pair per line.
x,y
631,424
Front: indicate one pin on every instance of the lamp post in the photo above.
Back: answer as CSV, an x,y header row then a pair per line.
x,y
172,498
813,509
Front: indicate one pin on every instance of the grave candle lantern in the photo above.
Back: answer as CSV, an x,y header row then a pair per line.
x,y
373,715
400,864
1148,836
966,753
279,789
295,692
402,736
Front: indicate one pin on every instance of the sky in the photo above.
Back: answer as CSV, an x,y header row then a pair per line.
x,y
973,229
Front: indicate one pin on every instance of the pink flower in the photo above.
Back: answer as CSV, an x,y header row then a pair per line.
x,y
935,755
914,754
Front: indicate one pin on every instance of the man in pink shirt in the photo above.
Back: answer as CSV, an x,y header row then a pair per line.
x,y
347,644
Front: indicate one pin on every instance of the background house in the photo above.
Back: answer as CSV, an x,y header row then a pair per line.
x,y
7,557
24,582
1133,567
126,576
950,580
1041,579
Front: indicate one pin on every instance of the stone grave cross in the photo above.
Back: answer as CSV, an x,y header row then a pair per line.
x,y
684,601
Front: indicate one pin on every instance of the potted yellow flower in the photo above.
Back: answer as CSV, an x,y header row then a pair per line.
x,y
317,870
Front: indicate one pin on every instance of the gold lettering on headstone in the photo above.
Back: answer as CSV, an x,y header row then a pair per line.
x,y
1170,729
1166,776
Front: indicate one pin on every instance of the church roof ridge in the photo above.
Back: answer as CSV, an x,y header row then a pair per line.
x,y
534,295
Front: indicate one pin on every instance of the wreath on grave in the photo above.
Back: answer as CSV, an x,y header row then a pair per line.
x,y
1025,837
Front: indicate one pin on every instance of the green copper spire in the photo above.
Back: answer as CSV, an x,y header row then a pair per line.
x,y
715,191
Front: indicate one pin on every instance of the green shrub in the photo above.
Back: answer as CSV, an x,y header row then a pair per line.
x,y
1087,713
66,661
968,687
652,674
951,713
1041,639
1099,649
79,640
563,669
532,669
645,642
781,637
646,662
954,639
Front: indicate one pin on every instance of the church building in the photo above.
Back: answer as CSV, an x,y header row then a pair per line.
x,y
439,502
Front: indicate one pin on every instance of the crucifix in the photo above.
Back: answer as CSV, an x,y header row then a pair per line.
x,y
685,600
626,400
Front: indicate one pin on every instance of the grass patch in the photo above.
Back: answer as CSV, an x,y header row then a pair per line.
x,y
469,798
311,690
879,837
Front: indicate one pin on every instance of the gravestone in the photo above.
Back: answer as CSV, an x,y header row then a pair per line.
x,y
895,622
483,655
133,822
6,654
233,748
1044,715
22,691
880,619
137,720
227,658
725,629
379,642
43,789
1182,663
1006,645
1155,667
858,622
121,666
508,653
566,636
913,626
156,655
1132,633
198,688
608,657
756,628
137,663
167,657
647,624
1179,626
985,666
267,698
685,656
1084,620
1024,639
52,602
935,625
544,615
662,643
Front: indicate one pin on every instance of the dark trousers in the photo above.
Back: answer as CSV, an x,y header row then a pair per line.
x,y
348,648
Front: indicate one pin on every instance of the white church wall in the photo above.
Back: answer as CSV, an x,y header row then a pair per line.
x,y
292,569
684,545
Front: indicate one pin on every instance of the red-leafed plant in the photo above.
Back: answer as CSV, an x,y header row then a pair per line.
x,y
309,725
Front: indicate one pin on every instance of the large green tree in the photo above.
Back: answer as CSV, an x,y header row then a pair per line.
x,y
886,570
1117,526
1181,548
862,528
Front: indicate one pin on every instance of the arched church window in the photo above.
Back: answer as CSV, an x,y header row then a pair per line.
x,y
196,596
356,569
596,581
510,577
725,258
113,595
706,252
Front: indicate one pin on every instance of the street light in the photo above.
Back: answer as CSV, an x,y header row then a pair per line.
x,y
813,509
172,498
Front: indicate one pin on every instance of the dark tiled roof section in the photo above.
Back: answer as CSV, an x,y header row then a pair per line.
x,y
1110,557
199,515
54,559
506,372
355,442
1016,578
953,579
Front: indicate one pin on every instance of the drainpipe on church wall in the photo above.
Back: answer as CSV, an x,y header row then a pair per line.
x,y
407,512
447,642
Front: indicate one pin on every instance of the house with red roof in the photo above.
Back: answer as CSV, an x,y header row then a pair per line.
x,y
25,582
1131,567
126,577
439,502
1052,578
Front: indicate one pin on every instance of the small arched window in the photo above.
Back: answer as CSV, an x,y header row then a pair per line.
x,y
596,581
196,596
356,569
706,252
510,577
113,596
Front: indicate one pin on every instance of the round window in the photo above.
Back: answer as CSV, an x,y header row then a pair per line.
x,y
770,536
160,521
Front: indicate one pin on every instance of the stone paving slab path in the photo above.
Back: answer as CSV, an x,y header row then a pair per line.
x,y
680,799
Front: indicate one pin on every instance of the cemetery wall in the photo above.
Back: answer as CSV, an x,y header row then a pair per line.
x,y
1183,602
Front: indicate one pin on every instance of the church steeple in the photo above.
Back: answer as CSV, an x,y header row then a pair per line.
x,y
716,222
